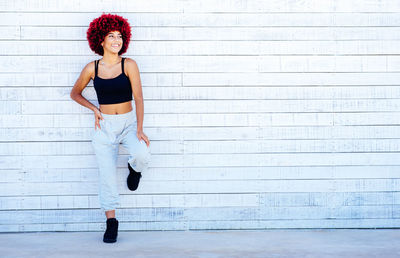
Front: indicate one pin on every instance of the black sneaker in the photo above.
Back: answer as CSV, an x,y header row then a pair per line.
x,y
133,178
110,236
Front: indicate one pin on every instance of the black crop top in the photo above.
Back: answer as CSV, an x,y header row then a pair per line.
x,y
114,90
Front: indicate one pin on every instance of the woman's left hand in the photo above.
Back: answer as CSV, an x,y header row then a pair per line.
x,y
141,136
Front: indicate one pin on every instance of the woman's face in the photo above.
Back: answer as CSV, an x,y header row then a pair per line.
x,y
112,42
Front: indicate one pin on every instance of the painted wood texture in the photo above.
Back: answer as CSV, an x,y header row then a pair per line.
x,y
261,114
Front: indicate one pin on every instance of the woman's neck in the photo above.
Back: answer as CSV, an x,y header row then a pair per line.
x,y
110,59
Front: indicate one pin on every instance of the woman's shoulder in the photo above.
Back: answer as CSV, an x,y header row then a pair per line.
x,y
90,66
131,67
90,69
131,64
129,61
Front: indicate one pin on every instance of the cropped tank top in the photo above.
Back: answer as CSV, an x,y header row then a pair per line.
x,y
114,90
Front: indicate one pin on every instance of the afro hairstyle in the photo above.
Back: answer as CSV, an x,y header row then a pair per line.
x,y
101,26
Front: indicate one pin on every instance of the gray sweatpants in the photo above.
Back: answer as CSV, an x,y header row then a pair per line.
x,y
115,130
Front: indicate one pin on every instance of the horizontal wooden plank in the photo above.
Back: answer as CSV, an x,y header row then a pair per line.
x,y
366,118
215,64
207,106
188,146
89,226
164,19
150,64
335,132
238,213
335,64
77,148
289,7
335,93
299,119
54,80
220,33
209,120
330,199
298,146
173,133
203,6
215,106
206,47
287,79
77,6
10,107
10,33
159,201
323,199
207,225
355,95
201,214
205,186
373,223
282,159
216,160
153,48
90,174
322,47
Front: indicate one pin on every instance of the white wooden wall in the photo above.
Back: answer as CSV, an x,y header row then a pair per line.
x,y
261,114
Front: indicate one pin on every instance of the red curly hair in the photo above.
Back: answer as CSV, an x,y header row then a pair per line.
x,y
101,26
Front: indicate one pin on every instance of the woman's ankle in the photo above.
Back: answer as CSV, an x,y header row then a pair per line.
x,y
110,214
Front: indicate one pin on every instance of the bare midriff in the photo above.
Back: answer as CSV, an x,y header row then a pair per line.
x,y
114,109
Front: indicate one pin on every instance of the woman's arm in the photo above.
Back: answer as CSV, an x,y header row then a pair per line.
x,y
80,84
134,77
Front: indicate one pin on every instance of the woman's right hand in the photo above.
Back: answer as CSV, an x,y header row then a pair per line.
x,y
97,116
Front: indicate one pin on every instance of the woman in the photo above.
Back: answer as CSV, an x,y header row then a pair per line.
x,y
115,79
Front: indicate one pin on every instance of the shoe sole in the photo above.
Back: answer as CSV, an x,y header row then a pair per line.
x,y
109,240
